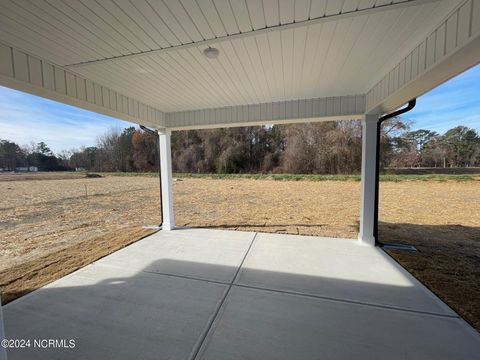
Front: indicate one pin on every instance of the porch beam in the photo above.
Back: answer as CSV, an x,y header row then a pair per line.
x,y
366,234
164,136
281,112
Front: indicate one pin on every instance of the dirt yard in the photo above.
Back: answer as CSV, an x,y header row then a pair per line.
x,y
52,225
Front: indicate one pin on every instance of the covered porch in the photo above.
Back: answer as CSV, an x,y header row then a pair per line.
x,y
177,65
214,294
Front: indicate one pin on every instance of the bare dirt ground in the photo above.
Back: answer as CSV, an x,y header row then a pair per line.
x,y
52,226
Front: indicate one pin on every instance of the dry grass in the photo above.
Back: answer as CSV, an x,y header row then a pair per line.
x,y
329,208
52,226
24,277
9,176
39,217
448,262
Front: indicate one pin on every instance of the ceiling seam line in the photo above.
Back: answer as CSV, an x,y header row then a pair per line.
x,y
100,40
42,38
235,83
347,57
224,84
128,80
108,25
60,30
117,31
227,37
233,13
166,25
171,75
150,23
259,82
233,48
115,42
42,34
191,20
266,77
220,18
182,66
178,21
300,77
237,74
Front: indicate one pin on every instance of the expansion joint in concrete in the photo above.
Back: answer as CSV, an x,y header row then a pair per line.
x,y
220,305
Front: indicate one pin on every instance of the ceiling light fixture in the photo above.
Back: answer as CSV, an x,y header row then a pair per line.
x,y
211,53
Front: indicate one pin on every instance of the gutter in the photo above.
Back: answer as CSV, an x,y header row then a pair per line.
x,y
411,104
157,141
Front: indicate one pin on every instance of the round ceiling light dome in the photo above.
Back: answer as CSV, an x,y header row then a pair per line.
x,y
211,53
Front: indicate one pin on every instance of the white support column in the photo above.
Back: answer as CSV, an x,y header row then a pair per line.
x,y
367,196
166,170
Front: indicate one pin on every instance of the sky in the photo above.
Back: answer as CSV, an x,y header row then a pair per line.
x,y
25,118
456,102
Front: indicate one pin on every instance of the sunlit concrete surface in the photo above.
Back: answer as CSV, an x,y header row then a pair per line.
x,y
212,294
336,269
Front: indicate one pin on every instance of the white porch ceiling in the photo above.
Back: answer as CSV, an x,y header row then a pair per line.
x,y
324,54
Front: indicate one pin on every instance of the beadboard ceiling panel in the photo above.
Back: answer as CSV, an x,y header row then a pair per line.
x,y
270,50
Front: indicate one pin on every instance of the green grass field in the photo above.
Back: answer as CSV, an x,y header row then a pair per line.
x,y
308,177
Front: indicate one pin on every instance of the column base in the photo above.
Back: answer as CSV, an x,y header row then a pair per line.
x,y
168,227
366,240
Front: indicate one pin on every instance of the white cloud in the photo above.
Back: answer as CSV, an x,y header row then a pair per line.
x,y
25,118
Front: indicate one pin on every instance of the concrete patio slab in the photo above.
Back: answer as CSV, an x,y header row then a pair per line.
x,y
335,268
257,324
205,254
205,294
112,313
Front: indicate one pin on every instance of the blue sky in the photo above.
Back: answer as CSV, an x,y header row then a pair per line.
x,y
25,118
456,102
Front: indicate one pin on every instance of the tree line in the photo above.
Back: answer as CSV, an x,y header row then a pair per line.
x,y
13,156
311,148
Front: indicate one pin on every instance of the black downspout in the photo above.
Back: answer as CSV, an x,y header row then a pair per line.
x,y
157,141
410,106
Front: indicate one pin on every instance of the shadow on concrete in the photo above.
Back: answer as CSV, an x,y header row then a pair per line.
x,y
166,310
